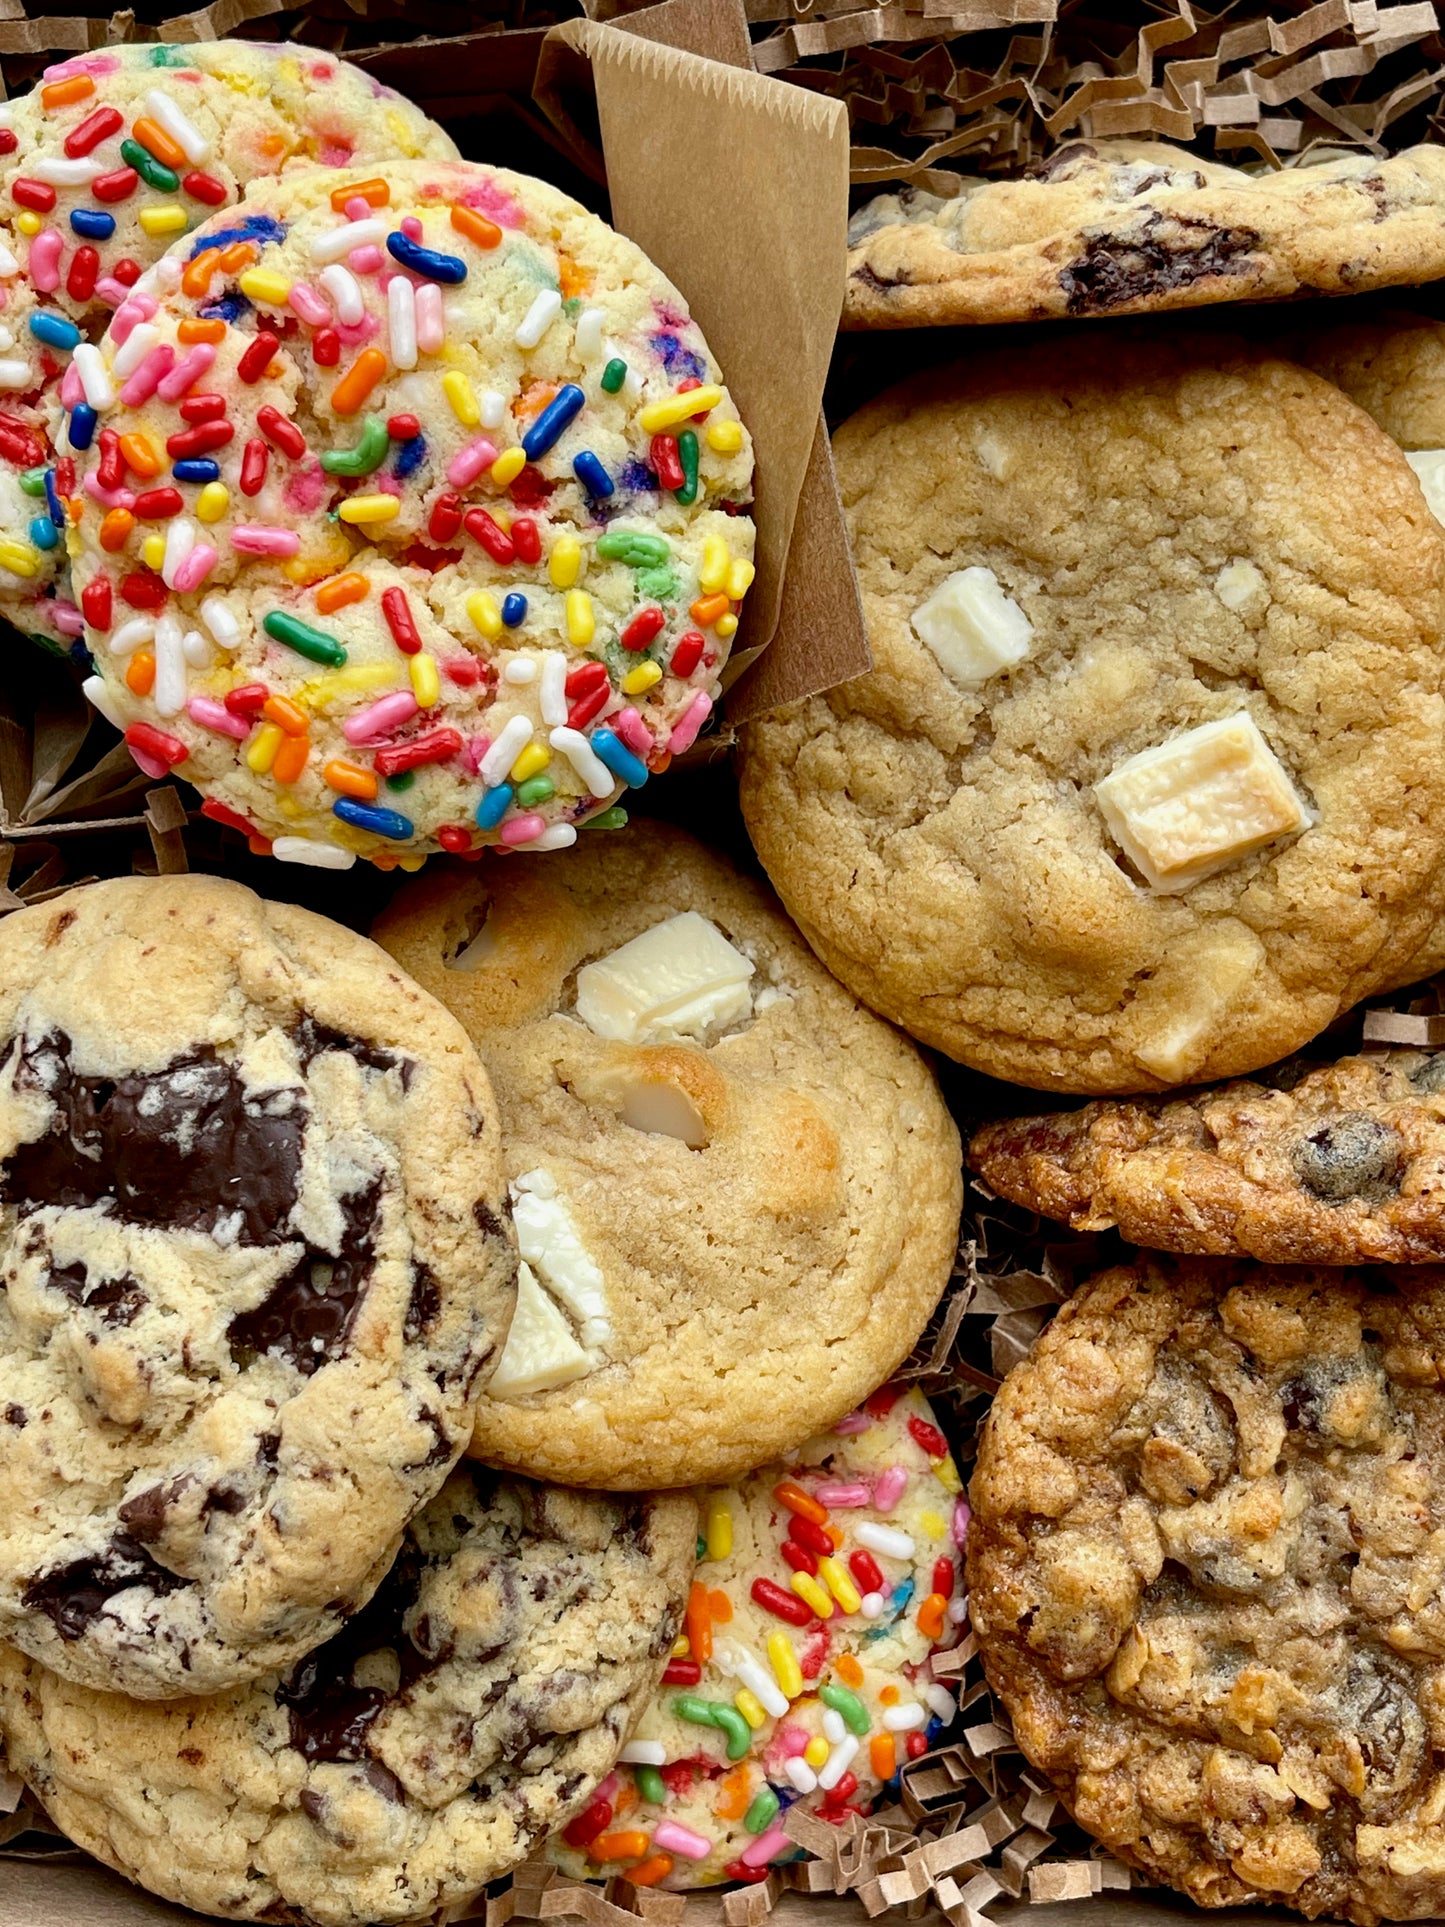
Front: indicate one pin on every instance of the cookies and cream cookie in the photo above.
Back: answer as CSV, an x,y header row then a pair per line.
x,y
252,1265
736,1193
474,1705
1204,1572
825,1585
1128,227
451,534
1144,787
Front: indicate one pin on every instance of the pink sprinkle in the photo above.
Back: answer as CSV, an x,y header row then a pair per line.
x,y
411,227
608,1787
467,464
352,333
633,731
109,498
186,373
845,1497
335,153
147,377
111,291
210,714
196,567
45,252
147,764
465,671
358,208
308,306
794,1740
673,1838
67,619
380,718
766,1847
131,312
850,1427
306,486
262,541
71,389
961,1516
476,749
489,197
522,829
96,64
889,1487
365,260
685,731
431,326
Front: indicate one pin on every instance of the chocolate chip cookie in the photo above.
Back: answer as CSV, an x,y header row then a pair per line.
x,y
1144,787
252,1263
472,1707
1130,227
1205,1569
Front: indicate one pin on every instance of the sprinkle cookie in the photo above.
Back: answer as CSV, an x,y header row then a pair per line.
x,y
472,1706
736,1193
252,1266
415,517
107,163
824,1586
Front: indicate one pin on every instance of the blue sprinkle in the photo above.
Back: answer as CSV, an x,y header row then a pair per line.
x,y
409,457
637,476
426,262
82,425
678,360
197,470
52,500
494,806
514,609
901,1595
617,757
53,329
91,224
564,407
591,474
256,227
43,532
229,307
368,816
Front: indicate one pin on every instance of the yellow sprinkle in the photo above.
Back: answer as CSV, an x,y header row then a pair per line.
x,y
641,678
680,1647
726,627
484,615
725,438
403,138
933,1525
580,626
19,558
261,753
564,564
29,222
261,284
716,561
840,1585
660,415
812,1594
740,578
369,508
532,761
463,398
947,1473
410,863
169,219
153,552
751,1708
784,1662
508,466
426,682
212,502
719,1530
356,679
816,1752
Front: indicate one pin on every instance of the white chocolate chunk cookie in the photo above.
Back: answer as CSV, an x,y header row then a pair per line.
x,y
251,1266
472,1707
1204,812
736,1192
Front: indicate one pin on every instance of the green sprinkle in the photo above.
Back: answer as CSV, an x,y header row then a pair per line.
x,y
687,455
535,790
632,546
613,375
613,819
403,780
171,57
701,1542
32,481
368,454
149,168
740,1734
649,1785
305,640
657,585
763,1811
698,1712
848,1706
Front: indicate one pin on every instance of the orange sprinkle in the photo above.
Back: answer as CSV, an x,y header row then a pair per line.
x,y
291,759
198,273
929,1617
273,146
651,1871
882,1756
115,530
835,1535
375,193
705,612
720,1607
627,1845
139,457
259,845
889,1695
626,1798
140,674
350,781
281,709
788,1493
698,1622
732,1800
848,1670
240,254
358,381
65,93
194,328
340,590
476,227
658,761
571,279
154,138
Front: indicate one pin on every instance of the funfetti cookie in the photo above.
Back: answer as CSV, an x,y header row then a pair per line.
x,y
252,1263
109,161
824,1586
736,1193
439,529
1144,787
474,1705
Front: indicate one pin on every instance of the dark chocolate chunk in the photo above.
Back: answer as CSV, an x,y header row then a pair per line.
x,y
424,1306
333,1724
308,1315
119,1301
312,1039
1355,1157
74,1596
1160,254
145,1515
1064,160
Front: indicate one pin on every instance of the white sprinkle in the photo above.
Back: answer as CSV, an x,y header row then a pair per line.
x,y
134,349
800,1773
317,856
643,1753
561,836
217,616
197,651
165,275
957,1611
554,687
493,408
7,114
340,241
65,173
871,1605
940,1700
539,318
589,333
888,1540
181,535
834,1731
505,751
760,1683
9,266
7,340
431,328
902,1719
130,635
345,292
521,669
401,316
632,386
572,744
186,135
15,373
838,1763
169,693
90,366
95,693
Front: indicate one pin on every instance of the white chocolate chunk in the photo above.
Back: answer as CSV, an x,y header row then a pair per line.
x,y
1241,587
548,1239
973,629
540,1352
682,978
1201,801
1186,1004
665,1111
1429,465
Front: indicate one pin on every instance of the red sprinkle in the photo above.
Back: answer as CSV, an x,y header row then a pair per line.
x,y
446,517
943,1577
65,476
204,187
880,1403
688,653
143,591
95,128
587,706
127,272
685,388
644,628
232,819
436,746
666,463
326,347
916,1745
249,700
401,622
928,1437
844,1790
682,1672
498,545
595,1820
37,194
285,434
257,358
110,470
465,671
798,1557
151,741
20,444
768,1594
736,1870
531,489
202,408
454,837
200,439
84,267
9,141
96,603
815,1651
808,1533
403,428
254,458
156,504
867,1571
526,539
584,677
116,186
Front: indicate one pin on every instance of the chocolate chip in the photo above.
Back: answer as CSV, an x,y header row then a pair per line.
x,y
1160,254
146,1514
330,1717
1355,1157
1064,160
383,1781
73,1596
313,1804
487,1221
442,1450
312,1040
15,1415
333,1725
424,1306
308,1315
119,1301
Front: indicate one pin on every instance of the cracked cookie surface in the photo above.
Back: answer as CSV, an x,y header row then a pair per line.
x,y
252,1266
